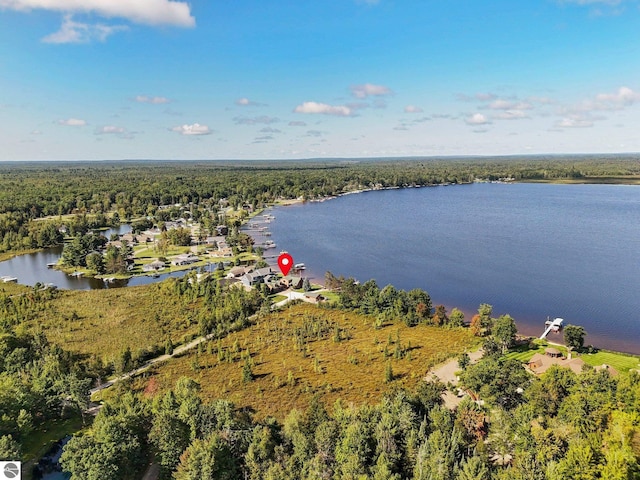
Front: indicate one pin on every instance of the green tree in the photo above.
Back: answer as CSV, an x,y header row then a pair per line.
x,y
170,437
574,336
9,448
95,262
388,372
472,468
209,459
456,318
88,459
247,373
580,463
464,360
504,331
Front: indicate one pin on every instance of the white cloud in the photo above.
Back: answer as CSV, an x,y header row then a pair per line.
x,y
254,120
501,104
245,102
110,129
368,90
511,115
485,97
195,129
357,105
323,108
152,100
575,121
581,115
412,109
624,97
477,119
314,133
72,122
150,12
76,32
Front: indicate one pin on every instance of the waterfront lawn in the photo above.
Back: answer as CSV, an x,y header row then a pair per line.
x,y
346,362
620,361
524,352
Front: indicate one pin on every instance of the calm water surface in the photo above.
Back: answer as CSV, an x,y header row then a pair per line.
x,y
32,268
530,250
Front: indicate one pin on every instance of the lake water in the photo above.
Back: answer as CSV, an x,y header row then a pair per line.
x,y
530,250
31,268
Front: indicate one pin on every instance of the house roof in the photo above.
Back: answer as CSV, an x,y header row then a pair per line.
x,y
612,371
540,363
263,272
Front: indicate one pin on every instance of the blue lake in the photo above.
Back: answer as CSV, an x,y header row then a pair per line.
x,y
530,250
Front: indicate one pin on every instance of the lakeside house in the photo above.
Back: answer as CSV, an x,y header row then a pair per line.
x,y
540,363
256,277
185,259
154,266
292,281
236,272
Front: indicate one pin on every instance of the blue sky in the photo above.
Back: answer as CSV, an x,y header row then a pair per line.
x,y
213,79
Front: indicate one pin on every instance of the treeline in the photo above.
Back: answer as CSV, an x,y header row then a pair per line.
x,y
135,189
564,426
221,310
389,303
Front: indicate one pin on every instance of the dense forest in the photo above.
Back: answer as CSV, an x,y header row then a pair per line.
x,y
30,191
562,426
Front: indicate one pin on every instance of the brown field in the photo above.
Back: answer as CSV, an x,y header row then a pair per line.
x,y
287,374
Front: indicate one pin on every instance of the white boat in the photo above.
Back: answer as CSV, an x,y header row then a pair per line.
x,y
299,266
7,279
77,274
51,265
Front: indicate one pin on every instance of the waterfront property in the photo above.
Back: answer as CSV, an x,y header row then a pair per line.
x,y
540,363
185,259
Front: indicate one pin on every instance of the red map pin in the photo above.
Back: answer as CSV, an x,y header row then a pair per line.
x,y
285,262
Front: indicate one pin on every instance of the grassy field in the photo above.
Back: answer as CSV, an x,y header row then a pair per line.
x,y
347,362
620,361
105,322
13,289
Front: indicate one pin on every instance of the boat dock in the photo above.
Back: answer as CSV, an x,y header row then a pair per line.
x,y
552,326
